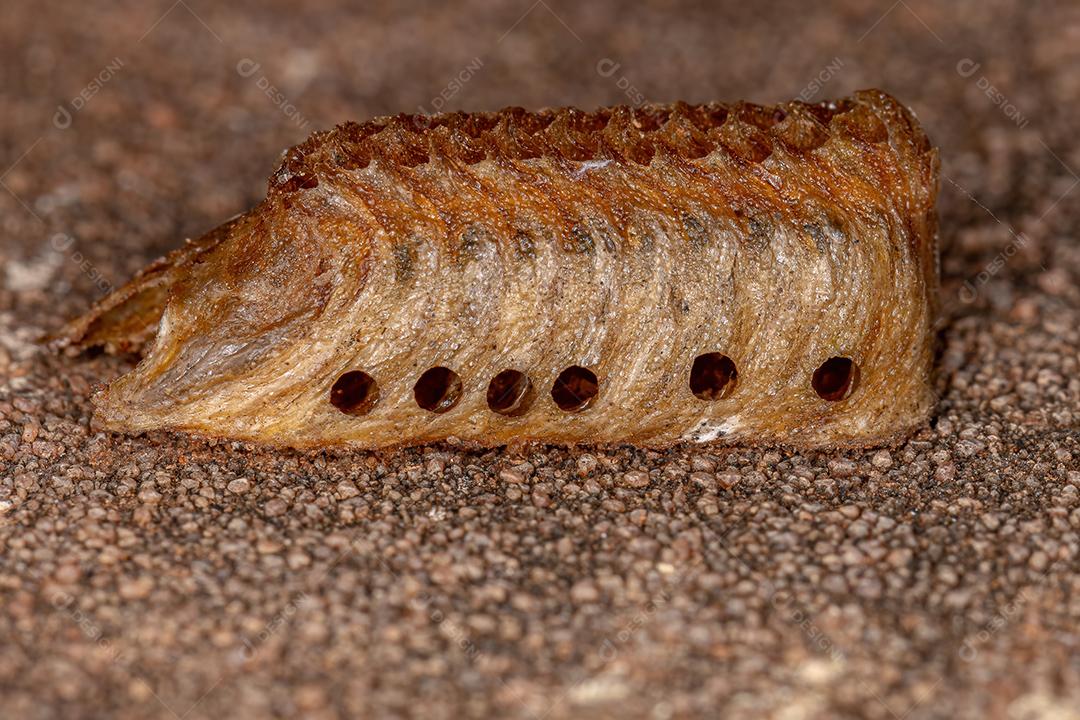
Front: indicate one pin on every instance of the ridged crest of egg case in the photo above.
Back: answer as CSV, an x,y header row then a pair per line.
x,y
627,241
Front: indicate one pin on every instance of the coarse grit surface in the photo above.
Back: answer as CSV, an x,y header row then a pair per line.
x,y
164,577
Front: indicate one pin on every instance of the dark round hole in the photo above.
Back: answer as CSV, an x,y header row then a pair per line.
x,y
575,388
836,379
438,389
712,376
510,393
354,393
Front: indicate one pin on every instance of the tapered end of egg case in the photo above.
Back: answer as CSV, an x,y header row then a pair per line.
x,y
232,324
127,318
669,273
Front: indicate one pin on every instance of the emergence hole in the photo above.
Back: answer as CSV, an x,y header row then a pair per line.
x,y
354,393
510,393
712,376
575,388
836,378
438,389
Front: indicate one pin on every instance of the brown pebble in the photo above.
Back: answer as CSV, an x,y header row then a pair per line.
x,y
275,507
68,574
699,463
511,476
882,460
945,473
136,588
728,480
239,486
584,591
842,467
702,479
439,587
587,464
850,511
30,432
347,489
149,494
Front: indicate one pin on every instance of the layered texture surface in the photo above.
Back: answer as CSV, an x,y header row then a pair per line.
x,y
645,275
157,576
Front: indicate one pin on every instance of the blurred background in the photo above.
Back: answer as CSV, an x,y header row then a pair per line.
x,y
137,124
128,588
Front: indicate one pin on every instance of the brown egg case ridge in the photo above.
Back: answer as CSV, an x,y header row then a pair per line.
x,y
649,275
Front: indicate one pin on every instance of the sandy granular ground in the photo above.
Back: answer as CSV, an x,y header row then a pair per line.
x,y
160,577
